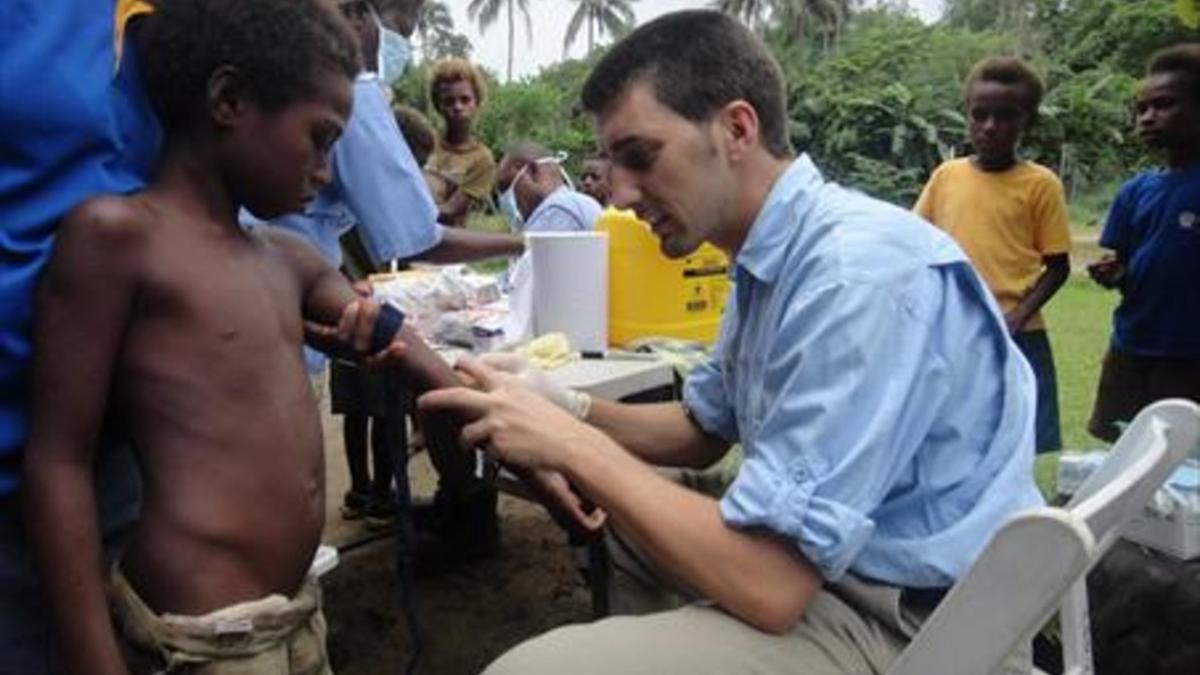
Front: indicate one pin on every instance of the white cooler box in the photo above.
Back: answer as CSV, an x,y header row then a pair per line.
x,y
1171,521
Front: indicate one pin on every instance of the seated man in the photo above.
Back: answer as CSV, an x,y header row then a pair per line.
x,y
537,196
885,415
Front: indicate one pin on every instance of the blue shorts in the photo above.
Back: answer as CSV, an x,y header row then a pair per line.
x,y
1035,345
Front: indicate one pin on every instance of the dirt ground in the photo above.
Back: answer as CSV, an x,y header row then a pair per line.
x,y
469,616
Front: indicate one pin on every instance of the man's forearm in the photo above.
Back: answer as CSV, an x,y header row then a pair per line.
x,y
658,433
755,576
459,245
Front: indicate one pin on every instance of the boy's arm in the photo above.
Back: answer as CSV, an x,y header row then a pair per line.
x,y
1052,237
1057,269
84,304
330,300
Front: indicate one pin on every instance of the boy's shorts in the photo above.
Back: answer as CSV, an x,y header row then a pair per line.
x,y
1035,345
1129,383
356,391
271,636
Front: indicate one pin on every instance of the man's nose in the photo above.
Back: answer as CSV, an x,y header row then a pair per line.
x,y
322,174
623,190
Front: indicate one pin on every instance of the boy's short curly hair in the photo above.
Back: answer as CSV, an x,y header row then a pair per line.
x,y
1009,70
279,48
417,131
454,70
1182,58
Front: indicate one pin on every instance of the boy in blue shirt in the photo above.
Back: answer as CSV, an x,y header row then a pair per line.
x,y
1153,231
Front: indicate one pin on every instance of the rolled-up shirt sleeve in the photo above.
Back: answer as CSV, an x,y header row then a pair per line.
x,y
850,380
380,182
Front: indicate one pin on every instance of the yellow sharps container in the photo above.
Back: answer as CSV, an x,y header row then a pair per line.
x,y
650,294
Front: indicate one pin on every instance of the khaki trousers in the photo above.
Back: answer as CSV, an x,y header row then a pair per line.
x,y
851,627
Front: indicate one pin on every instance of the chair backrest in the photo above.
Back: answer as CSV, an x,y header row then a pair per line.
x,y
1043,554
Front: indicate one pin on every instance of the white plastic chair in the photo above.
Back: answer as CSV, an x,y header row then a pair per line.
x,y
1044,554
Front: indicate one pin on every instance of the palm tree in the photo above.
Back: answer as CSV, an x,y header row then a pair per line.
x,y
753,12
602,16
434,23
487,11
797,17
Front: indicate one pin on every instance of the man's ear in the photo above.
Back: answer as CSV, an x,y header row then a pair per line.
x,y
226,97
739,125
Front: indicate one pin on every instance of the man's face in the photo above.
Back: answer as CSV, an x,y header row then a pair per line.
x,y
509,174
593,180
401,15
456,102
671,171
1168,113
996,115
281,157
360,14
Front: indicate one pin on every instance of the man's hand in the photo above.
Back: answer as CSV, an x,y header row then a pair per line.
x,y
575,402
1107,271
514,424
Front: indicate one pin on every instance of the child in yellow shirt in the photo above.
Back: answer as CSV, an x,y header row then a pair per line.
x,y
1009,216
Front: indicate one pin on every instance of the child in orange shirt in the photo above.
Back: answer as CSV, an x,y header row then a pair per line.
x,y
1010,217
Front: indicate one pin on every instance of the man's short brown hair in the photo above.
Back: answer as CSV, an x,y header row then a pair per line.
x,y
698,61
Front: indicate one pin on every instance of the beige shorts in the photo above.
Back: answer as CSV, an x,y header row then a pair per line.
x,y
271,636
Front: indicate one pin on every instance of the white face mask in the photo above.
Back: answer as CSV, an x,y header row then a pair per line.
x,y
508,198
392,57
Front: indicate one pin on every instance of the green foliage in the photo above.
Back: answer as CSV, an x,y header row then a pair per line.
x,y
541,109
881,105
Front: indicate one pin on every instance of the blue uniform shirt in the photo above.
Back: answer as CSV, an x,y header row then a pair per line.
x,y
71,126
377,187
885,415
1154,228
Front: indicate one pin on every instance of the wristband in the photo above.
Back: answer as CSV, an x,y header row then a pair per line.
x,y
387,324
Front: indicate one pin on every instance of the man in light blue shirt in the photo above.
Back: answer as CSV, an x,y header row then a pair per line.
x,y
885,417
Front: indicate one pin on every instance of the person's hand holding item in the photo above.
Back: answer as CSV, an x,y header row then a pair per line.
x,y
522,429
1107,271
575,402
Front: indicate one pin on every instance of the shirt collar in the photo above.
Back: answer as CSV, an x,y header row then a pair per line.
x,y
763,253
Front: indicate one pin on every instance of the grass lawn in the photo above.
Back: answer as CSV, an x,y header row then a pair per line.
x,y
1079,318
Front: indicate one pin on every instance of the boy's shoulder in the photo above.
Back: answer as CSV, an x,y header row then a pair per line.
x,y
952,168
1038,172
109,221
1139,183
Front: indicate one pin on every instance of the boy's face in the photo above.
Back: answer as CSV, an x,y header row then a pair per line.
x,y
671,171
593,181
456,102
997,113
1167,110
280,158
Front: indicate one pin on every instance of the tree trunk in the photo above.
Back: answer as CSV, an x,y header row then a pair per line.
x,y
511,39
591,39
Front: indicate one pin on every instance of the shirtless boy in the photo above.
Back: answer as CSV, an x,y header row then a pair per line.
x,y
160,319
